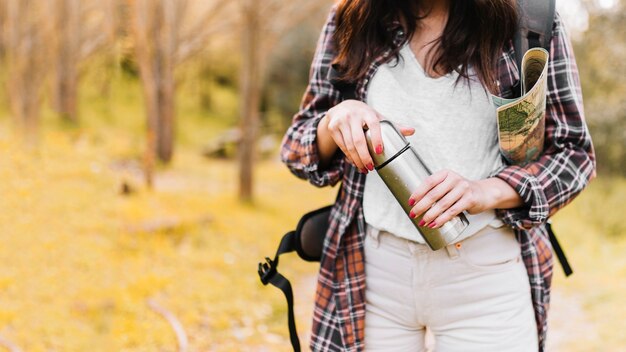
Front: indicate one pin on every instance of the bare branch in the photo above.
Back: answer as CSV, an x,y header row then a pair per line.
x,y
214,20
294,13
91,47
9,345
179,330
192,47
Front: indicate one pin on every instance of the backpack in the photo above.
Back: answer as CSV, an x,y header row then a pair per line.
x,y
534,30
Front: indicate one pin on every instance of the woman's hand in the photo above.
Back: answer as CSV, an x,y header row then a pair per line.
x,y
346,123
445,194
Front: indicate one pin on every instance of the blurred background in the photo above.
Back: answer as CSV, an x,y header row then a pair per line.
x,y
140,181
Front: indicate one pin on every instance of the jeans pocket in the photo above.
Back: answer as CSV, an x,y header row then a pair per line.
x,y
491,250
491,265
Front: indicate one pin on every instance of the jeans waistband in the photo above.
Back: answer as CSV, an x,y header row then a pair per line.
x,y
382,236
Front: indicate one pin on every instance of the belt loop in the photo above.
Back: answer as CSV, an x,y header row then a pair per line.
x,y
412,247
452,250
374,233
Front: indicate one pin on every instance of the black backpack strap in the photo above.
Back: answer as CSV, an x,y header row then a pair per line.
x,y
307,240
536,18
269,275
567,269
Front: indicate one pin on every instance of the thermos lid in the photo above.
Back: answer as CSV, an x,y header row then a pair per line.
x,y
393,143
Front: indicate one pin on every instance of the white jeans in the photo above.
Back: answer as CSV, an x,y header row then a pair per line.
x,y
473,296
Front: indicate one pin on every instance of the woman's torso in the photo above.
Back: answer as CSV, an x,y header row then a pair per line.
x,y
455,128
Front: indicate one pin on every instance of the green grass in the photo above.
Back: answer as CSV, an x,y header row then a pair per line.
x,y
80,260
118,113
78,266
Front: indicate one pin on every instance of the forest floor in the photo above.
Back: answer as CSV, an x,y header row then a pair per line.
x,y
84,266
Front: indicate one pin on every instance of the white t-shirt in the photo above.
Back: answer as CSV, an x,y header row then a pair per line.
x,y
455,128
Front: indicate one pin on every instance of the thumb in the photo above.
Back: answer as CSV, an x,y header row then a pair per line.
x,y
406,130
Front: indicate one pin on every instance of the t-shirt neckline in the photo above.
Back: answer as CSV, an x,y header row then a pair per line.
x,y
407,51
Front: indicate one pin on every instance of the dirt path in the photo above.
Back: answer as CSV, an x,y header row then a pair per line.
x,y
569,326
304,293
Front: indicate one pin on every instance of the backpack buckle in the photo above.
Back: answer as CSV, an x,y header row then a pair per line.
x,y
267,270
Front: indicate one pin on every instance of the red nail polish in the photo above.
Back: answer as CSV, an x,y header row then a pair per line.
x,y
411,214
370,166
432,225
411,201
422,223
379,149
363,171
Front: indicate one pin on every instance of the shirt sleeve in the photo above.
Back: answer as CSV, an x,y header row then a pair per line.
x,y
568,162
299,149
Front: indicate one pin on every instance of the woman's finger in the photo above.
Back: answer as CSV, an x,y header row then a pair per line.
x,y
440,213
340,143
427,184
435,194
358,138
373,125
405,130
346,133
459,206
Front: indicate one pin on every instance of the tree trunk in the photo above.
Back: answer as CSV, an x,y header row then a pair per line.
x,y
250,98
168,47
67,58
25,51
66,92
145,38
159,95
155,47
165,115
158,88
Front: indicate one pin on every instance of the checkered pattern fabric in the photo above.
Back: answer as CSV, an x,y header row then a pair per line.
x,y
546,185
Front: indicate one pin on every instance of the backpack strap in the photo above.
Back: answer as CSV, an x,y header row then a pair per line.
x,y
536,18
307,240
567,269
269,275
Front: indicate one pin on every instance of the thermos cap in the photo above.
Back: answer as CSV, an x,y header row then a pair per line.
x,y
393,142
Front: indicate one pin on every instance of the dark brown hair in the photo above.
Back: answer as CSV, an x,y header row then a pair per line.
x,y
475,33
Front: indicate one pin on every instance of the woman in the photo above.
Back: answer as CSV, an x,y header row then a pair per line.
x,y
428,66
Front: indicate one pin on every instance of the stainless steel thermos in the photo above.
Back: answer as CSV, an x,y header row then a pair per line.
x,y
402,170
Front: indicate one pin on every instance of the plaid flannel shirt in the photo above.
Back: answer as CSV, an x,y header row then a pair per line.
x,y
564,169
